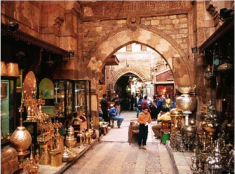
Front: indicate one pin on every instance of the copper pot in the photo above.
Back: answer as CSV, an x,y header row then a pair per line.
x,y
12,69
3,68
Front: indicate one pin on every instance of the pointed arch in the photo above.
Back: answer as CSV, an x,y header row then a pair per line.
x,y
160,42
134,70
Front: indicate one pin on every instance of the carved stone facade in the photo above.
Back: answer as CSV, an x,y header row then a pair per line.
x,y
95,30
182,66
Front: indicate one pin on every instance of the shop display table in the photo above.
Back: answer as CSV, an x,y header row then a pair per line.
x,y
48,169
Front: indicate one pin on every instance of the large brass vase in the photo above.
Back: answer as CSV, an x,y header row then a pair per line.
x,y
21,139
186,102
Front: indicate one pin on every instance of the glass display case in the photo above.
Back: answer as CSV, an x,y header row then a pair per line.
x,y
82,99
63,95
8,107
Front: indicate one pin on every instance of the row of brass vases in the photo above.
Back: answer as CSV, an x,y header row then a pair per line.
x,y
9,69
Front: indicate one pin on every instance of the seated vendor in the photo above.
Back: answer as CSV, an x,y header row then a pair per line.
x,y
162,116
115,114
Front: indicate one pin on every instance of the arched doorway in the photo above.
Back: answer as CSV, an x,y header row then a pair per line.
x,y
161,43
127,87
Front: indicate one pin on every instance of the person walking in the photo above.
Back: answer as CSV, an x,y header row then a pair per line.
x,y
144,120
115,114
104,107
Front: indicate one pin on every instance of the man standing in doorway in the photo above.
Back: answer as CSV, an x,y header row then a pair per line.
x,y
104,107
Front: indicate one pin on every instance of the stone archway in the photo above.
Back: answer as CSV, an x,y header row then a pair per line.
x,y
160,42
133,70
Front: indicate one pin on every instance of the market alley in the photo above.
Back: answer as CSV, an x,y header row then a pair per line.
x,y
113,154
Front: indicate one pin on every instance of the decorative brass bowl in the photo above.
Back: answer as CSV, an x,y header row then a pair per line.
x,y
185,90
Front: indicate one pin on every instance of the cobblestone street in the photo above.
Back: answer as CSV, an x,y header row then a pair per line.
x,y
113,154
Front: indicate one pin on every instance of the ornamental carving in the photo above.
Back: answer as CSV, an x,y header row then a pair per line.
x,y
122,9
133,22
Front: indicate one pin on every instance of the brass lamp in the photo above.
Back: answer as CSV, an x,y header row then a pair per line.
x,y
12,69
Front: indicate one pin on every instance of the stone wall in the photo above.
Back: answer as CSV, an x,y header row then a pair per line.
x,y
175,26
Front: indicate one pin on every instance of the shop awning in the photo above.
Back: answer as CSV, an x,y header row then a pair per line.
x,y
224,28
32,40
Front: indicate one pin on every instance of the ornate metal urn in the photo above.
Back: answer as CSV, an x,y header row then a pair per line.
x,y
185,101
70,140
21,138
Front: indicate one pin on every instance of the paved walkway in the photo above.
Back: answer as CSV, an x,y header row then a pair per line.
x,y
114,155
